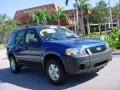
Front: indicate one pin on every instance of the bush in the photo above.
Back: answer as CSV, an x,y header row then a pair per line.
x,y
114,38
94,35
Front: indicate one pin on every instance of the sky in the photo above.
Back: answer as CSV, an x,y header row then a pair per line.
x,y
9,7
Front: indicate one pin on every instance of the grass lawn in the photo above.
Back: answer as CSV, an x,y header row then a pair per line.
x,y
2,46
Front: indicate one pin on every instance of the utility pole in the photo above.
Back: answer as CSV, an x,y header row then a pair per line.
x,y
110,17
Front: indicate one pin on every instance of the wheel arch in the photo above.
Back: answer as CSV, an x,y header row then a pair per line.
x,y
10,55
53,55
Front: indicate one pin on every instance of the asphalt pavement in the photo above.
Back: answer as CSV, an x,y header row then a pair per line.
x,y
31,79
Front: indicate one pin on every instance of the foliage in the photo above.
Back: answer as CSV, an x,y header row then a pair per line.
x,y
40,16
6,25
94,35
84,3
116,11
100,13
59,14
43,16
114,38
82,6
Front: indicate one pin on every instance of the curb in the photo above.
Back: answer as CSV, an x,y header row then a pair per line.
x,y
116,52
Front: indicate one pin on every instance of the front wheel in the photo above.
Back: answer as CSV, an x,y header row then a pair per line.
x,y
55,72
13,65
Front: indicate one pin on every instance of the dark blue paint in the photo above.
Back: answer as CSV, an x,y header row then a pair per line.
x,y
57,46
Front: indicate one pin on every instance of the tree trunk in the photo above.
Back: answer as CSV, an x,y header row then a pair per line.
x,y
99,28
58,21
77,19
38,21
75,28
105,28
88,26
82,20
118,22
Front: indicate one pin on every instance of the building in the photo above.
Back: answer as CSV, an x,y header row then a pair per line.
x,y
23,15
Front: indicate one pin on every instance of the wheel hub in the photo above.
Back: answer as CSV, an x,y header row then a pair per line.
x,y
12,64
53,72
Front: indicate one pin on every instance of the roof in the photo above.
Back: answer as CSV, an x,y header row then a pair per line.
x,y
23,15
72,11
49,6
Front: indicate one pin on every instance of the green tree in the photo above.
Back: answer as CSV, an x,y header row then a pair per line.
x,y
82,5
59,15
3,18
100,13
40,16
6,25
116,13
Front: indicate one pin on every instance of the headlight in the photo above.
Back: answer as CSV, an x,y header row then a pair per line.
x,y
75,51
107,45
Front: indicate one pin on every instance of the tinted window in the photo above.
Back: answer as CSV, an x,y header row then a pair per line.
x,y
20,37
31,37
56,33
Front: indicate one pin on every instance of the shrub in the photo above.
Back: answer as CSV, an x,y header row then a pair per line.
x,y
114,38
94,35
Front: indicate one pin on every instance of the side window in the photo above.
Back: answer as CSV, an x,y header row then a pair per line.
x,y
19,39
31,37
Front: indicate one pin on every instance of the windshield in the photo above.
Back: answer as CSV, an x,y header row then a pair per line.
x,y
58,33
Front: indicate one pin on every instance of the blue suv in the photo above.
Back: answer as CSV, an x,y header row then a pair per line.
x,y
57,50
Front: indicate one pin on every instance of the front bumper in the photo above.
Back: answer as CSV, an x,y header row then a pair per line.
x,y
88,63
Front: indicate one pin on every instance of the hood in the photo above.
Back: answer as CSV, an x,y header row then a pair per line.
x,y
72,43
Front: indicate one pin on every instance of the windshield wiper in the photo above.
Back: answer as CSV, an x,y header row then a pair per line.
x,y
54,39
71,37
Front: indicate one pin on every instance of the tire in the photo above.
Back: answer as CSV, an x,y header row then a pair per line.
x,y
55,72
15,68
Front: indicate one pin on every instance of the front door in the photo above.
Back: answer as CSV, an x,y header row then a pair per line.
x,y
34,50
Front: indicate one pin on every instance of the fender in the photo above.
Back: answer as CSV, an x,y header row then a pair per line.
x,y
54,53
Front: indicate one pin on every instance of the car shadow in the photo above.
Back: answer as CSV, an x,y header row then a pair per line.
x,y
35,79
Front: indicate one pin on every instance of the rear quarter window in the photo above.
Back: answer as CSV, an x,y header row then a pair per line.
x,y
20,37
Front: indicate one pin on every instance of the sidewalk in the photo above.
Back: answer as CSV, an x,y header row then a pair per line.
x,y
3,54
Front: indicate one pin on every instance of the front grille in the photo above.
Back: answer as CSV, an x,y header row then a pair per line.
x,y
98,49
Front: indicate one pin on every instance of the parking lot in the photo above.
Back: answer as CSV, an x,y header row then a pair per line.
x,y
30,79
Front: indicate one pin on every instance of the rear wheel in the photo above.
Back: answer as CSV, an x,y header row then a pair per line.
x,y
55,71
14,66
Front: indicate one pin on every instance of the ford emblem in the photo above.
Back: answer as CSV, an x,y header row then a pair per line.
x,y
98,48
